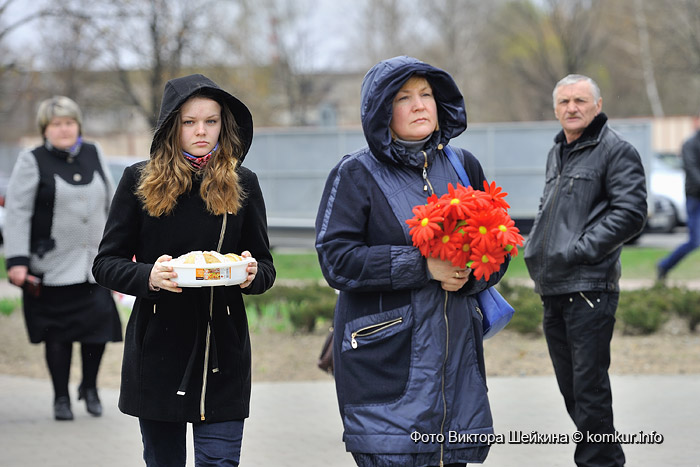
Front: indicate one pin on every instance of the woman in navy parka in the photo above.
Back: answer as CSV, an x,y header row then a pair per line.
x,y
408,350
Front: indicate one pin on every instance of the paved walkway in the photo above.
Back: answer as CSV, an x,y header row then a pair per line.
x,y
297,425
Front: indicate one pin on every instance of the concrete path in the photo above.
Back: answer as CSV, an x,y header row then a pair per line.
x,y
297,425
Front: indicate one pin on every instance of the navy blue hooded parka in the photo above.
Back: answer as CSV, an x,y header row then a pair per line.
x,y
408,355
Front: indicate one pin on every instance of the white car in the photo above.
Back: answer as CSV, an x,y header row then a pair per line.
x,y
667,187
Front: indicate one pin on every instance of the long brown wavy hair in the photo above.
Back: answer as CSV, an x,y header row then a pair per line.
x,y
168,174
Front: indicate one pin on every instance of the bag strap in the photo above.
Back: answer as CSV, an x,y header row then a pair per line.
x,y
457,165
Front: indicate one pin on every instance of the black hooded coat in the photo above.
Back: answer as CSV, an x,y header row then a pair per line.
x,y
167,344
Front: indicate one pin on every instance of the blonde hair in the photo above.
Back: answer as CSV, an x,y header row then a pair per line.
x,y
57,106
168,174
416,80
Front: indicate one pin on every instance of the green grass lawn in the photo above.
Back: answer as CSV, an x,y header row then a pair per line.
x,y
637,263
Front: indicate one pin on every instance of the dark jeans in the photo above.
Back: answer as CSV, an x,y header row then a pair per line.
x,y
215,444
578,328
692,207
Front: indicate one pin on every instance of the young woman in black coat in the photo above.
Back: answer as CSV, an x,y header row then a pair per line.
x,y
187,349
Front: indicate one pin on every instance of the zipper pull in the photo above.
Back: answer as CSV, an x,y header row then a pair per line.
x,y
425,179
587,300
353,341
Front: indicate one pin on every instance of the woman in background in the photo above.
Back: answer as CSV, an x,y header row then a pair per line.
x,y
58,198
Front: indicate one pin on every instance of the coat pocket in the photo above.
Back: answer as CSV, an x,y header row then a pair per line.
x,y
375,356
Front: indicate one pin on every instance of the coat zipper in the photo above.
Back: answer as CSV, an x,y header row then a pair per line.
x,y
426,182
208,338
206,357
556,193
549,221
442,383
373,329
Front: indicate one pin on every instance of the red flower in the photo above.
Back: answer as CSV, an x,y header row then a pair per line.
x,y
426,224
462,253
445,245
508,235
479,228
497,194
456,202
467,227
486,262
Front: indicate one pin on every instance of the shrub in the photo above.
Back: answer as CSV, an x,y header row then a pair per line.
x,y
686,303
303,304
9,305
643,311
528,308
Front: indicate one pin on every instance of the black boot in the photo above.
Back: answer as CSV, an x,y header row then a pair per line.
x,y
61,408
92,401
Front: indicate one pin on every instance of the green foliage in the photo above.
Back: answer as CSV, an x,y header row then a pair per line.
x,y
643,311
270,316
686,303
297,266
637,263
517,268
301,305
9,305
640,263
528,308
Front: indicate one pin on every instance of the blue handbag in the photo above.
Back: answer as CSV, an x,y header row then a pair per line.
x,y
495,310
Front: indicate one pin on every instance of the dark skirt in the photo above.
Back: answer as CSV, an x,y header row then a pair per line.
x,y
72,313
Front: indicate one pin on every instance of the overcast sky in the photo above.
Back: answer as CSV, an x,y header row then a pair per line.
x,y
328,25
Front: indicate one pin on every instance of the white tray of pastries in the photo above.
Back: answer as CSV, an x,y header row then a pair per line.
x,y
209,268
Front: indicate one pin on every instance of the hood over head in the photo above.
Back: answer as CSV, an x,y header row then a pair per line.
x,y
379,87
178,90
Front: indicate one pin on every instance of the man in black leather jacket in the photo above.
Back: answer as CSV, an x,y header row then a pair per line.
x,y
594,200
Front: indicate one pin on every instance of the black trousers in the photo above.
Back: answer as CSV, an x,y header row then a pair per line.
x,y
578,328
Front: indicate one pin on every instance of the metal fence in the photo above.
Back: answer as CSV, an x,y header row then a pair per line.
x,y
293,164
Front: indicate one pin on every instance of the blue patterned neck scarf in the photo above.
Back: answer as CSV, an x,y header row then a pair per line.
x,y
68,152
199,162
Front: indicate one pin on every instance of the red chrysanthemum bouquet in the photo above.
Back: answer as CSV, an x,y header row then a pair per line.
x,y
467,227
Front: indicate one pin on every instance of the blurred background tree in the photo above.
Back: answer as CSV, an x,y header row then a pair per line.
x,y
302,62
